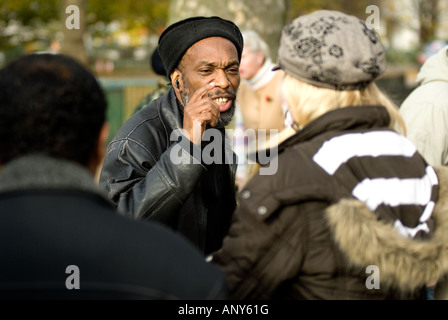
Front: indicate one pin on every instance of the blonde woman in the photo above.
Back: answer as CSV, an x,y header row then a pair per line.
x,y
353,211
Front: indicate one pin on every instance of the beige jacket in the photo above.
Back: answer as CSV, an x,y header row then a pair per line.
x,y
425,111
261,103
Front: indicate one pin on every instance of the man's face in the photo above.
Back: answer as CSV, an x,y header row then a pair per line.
x,y
212,60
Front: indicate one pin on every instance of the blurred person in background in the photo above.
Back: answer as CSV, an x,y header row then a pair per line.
x,y
162,84
60,237
260,102
425,110
354,211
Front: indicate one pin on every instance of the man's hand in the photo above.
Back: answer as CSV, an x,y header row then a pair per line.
x,y
198,111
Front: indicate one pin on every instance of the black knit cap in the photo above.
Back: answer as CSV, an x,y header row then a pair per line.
x,y
180,36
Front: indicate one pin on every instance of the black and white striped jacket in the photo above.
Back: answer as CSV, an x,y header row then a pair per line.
x,y
349,194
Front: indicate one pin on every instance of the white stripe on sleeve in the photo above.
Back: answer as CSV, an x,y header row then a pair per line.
x,y
396,192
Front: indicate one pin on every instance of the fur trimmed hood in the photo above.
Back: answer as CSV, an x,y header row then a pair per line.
x,y
403,262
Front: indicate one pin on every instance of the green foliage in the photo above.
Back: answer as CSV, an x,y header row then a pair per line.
x,y
397,57
28,25
29,11
150,13
37,18
43,19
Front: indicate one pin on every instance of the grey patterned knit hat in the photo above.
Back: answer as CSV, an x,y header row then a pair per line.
x,y
332,50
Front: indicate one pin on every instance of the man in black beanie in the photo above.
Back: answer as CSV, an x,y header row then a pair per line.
x,y
162,84
164,163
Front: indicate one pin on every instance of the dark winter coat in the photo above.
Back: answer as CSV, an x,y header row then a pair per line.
x,y
349,215
60,238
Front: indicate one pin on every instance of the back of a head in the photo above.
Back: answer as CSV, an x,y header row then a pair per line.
x,y
50,105
157,63
435,68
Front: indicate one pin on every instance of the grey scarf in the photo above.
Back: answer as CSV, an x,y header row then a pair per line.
x,y
40,172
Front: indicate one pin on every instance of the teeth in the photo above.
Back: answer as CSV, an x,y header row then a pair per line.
x,y
221,100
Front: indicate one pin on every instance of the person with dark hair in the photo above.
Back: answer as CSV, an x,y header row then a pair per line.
x,y
162,84
155,166
60,236
354,211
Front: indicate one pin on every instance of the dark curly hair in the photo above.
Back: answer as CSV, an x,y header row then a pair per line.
x,y
49,104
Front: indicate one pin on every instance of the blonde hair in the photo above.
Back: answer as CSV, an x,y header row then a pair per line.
x,y
307,102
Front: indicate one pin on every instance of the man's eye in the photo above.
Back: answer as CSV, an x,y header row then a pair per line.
x,y
205,70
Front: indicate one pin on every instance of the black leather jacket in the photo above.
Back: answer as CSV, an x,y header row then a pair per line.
x,y
141,178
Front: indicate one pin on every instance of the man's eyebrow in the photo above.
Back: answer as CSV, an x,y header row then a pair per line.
x,y
214,64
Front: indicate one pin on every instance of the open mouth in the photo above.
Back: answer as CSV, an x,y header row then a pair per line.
x,y
223,103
